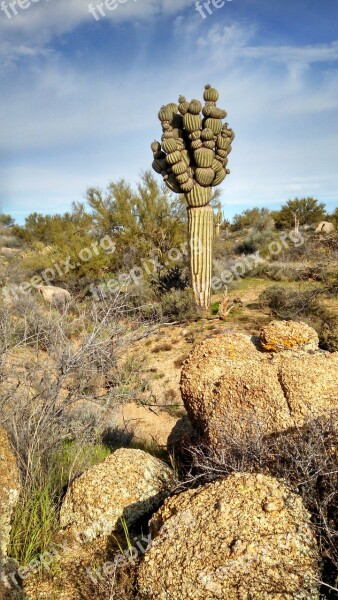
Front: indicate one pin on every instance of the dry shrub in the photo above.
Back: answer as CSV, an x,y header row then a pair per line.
x,y
178,305
165,347
328,335
290,304
61,379
170,396
119,583
179,361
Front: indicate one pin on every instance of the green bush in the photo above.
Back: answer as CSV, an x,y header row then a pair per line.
x,y
6,220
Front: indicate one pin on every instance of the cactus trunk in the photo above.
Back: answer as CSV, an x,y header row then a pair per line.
x,y
200,228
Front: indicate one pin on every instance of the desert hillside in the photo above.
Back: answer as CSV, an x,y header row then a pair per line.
x,y
149,446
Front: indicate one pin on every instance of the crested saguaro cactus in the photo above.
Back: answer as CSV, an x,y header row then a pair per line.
x,y
192,159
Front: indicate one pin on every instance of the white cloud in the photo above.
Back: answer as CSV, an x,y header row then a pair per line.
x,y
237,39
89,126
31,31
51,17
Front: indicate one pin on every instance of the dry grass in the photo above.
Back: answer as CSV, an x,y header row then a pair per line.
x,y
164,347
179,361
306,458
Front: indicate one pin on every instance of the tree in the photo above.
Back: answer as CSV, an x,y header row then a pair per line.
x,y
259,218
113,210
160,218
303,211
6,220
55,229
146,223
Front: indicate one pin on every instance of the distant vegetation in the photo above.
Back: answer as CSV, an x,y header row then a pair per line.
x,y
145,250
144,224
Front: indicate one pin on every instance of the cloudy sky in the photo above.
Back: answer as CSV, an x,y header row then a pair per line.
x,y
80,95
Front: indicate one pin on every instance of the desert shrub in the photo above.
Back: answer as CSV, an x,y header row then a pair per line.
x,y
329,278
35,326
163,347
175,278
140,300
249,246
305,458
304,247
62,378
259,218
328,334
254,241
308,210
284,271
9,241
178,305
68,251
120,584
334,217
6,221
223,249
290,304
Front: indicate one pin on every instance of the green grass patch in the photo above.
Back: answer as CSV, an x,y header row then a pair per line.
x,y
214,308
36,517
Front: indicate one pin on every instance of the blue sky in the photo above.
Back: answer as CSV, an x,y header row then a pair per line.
x,y
79,97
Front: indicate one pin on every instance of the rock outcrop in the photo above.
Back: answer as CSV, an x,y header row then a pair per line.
x,y
9,492
246,536
55,296
128,484
9,252
280,336
229,383
325,227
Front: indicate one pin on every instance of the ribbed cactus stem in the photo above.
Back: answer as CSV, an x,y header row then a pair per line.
x,y
200,228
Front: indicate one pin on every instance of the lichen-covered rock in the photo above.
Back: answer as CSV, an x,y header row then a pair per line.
x,y
310,384
128,484
279,336
246,536
229,385
9,492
